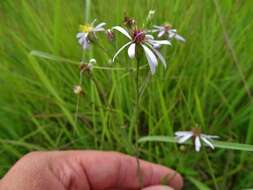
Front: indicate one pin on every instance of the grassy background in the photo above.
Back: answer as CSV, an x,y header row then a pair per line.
x,y
208,82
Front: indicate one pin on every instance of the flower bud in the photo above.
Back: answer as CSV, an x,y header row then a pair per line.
x,y
129,22
78,89
150,15
110,35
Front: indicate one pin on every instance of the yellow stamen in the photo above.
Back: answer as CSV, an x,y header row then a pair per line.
x,y
85,28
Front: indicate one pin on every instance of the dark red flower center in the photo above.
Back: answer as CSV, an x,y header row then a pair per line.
x,y
138,36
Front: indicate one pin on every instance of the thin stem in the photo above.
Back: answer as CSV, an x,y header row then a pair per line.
x,y
135,121
211,170
137,91
78,98
86,18
87,10
139,173
104,50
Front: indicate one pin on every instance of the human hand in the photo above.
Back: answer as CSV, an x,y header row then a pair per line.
x,y
85,170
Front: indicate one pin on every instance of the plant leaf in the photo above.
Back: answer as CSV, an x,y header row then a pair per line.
x,y
198,184
49,56
217,144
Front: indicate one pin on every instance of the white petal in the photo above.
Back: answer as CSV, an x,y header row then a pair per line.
x,y
93,22
197,144
80,34
123,31
98,29
182,133
173,30
117,53
131,51
161,33
100,25
161,42
149,37
159,55
85,44
207,141
92,61
171,35
184,138
154,30
158,27
157,46
81,41
210,136
180,38
151,58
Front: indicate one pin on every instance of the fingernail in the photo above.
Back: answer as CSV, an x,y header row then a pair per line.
x,y
158,187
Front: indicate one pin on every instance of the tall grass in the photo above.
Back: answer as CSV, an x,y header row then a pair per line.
x,y
208,82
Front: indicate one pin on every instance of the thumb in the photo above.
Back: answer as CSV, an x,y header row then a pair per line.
x,y
158,187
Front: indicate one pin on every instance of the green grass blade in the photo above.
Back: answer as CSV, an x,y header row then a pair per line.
x,y
198,184
217,144
52,57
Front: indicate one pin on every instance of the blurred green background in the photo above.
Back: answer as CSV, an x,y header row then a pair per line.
x,y
208,82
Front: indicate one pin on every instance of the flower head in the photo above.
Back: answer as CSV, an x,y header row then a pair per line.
x,y
129,22
167,29
91,63
77,89
139,38
88,31
197,137
88,66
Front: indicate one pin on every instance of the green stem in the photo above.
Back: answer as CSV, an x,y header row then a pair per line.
x,y
78,99
86,18
137,97
211,170
137,104
87,11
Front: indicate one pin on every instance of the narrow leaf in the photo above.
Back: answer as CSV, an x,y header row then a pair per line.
x,y
217,144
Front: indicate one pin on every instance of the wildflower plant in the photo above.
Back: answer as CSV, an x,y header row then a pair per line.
x,y
145,42
142,42
98,97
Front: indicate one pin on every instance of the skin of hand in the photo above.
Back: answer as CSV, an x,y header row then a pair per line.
x,y
86,170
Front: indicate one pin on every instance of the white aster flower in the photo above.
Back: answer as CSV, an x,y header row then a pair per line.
x,y
167,29
87,31
139,38
197,137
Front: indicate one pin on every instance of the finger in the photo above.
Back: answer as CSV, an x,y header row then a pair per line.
x,y
107,170
158,187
